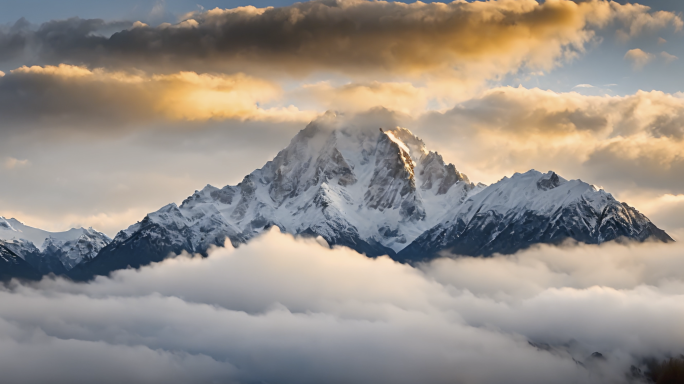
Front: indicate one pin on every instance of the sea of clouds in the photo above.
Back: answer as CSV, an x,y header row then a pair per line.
x,y
287,310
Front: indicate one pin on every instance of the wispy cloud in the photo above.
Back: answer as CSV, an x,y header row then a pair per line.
x,y
668,57
12,163
638,57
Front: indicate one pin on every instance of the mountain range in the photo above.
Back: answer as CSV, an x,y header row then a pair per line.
x,y
50,252
379,192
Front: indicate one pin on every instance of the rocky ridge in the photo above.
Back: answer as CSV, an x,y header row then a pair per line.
x,y
380,192
55,252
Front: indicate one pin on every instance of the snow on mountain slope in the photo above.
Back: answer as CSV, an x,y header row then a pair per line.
x,y
54,252
72,252
532,208
378,192
14,229
372,190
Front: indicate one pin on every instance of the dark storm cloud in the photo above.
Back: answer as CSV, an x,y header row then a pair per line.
x,y
340,35
13,40
21,39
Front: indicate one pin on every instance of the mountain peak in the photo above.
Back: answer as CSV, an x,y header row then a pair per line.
x,y
550,182
51,252
410,143
5,224
380,192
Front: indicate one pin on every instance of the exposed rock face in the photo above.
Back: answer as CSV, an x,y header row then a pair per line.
x,y
72,252
378,192
51,252
532,208
374,191
551,182
42,262
13,266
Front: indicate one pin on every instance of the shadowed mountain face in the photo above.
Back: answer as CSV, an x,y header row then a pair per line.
x,y
380,193
529,209
50,252
13,266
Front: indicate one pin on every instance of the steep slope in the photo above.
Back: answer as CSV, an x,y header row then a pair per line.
x,y
380,193
528,209
51,252
372,190
13,266
72,252
40,261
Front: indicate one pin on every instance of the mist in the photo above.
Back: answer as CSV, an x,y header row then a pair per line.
x,y
287,310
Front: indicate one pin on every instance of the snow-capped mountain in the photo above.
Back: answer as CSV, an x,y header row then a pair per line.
x,y
55,252
13,266
378,192
532,208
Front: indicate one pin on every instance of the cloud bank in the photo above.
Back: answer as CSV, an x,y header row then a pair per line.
x,y
349,36
623,142
219,64
289,311
630,145
73,95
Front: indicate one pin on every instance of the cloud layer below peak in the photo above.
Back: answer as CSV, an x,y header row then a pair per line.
x,y
287,310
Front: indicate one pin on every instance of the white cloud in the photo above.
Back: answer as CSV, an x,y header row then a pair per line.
x,y
583,86
289,311
668,58
159,9
624,143
638,58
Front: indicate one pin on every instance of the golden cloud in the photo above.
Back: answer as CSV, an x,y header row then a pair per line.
x,y
77,94
637,19
667,57
464,39
634,141
638,58
402,97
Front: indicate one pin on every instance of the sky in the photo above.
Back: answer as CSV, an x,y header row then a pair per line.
x,y
112,110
